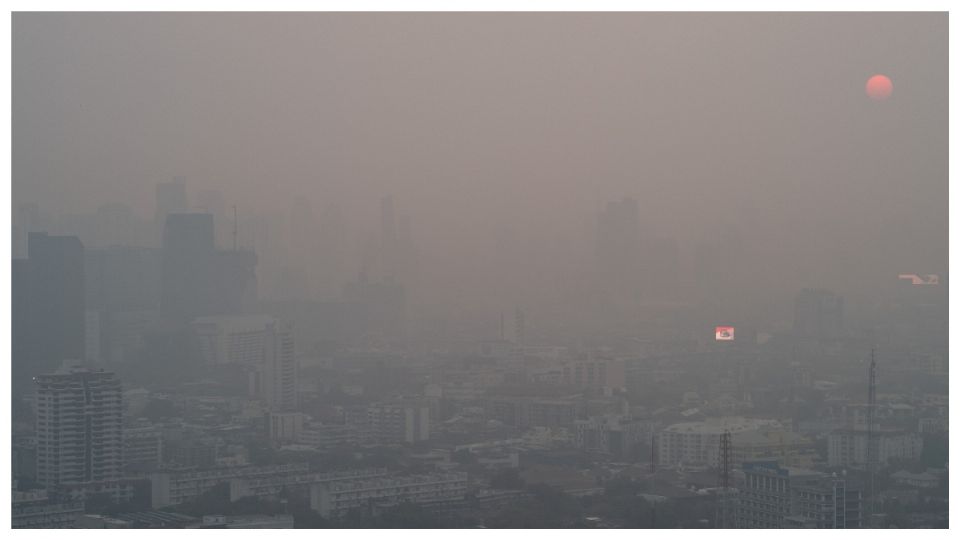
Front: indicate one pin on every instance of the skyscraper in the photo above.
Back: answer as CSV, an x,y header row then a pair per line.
x,y
49,306
196,278
274,380
188,265
79,427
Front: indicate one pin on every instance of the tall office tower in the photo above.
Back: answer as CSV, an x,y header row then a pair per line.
x,y
818,314
123,293
274,380
188,266
79,427
48,306
171,197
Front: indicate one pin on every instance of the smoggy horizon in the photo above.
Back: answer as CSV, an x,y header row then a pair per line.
x,y
747,141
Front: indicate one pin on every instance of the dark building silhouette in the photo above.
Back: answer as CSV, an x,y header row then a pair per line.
x,y
196,278
122,297
171,197
48,306
188,266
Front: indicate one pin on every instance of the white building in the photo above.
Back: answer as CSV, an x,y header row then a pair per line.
x,y
697,444
336,498
848,448
274,379
79,431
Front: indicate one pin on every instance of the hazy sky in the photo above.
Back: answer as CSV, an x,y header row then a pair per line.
x,y
517,125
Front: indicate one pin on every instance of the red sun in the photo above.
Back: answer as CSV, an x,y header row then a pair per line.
x,y
879,87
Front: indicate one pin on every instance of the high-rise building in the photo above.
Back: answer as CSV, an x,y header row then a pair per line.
x,y
775,497
197,279
187,268
274,380
79,427
171,197
49,311
818,314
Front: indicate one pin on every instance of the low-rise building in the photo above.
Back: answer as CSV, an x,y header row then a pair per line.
x,y
35,509
334,499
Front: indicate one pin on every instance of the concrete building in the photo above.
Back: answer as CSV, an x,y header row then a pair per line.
x,y
274,379
597,374
79,431
696,444
233,339
36,510
615,435
775,497
142,448
171,488
285,427
328,436
334,499
405,422
270,487
848,448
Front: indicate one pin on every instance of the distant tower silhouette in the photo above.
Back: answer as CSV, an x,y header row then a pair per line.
x,y
521,327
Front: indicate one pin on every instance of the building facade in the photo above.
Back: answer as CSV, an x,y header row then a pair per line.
x,y
775,497
335,499
79,427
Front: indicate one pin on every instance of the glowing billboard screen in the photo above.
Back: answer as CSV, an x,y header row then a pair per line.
x,y
926,279
724,333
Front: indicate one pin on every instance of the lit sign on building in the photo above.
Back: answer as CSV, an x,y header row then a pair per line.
x,y
926,279
724,333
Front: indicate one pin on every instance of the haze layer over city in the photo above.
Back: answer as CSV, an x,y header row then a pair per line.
x,y
568,269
